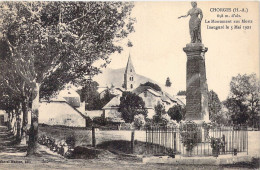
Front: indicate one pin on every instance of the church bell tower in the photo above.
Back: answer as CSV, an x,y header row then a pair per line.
x,y
129,76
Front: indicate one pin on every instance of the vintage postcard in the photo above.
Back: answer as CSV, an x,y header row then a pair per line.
x,y
129,85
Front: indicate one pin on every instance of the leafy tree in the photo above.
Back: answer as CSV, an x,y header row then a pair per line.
x,y
216,109
168,82
216,113
131,105
159,112
181,93
89,91
214,104
107,97
152,85
54,43
176,113
243,100
10,103
90,95
16,87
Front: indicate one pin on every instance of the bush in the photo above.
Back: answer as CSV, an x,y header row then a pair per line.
x,y
148,123
139,121
176,113
158,117
59,147
216,145
71,141
126,126
190,135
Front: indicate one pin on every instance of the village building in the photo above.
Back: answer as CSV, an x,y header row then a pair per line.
x,y
64,109
150,96
67,109
3,118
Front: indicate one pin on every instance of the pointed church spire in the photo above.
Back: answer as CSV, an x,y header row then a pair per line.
x,y
129,66
129,76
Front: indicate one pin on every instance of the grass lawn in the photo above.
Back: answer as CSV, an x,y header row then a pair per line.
x,y
82,136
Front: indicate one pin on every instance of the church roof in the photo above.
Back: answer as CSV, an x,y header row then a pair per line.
x,y
129,66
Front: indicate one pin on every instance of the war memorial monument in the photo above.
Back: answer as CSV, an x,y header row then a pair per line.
x,y
196,81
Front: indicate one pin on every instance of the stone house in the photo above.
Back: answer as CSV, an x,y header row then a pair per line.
x,y
150,96
65,109
110,110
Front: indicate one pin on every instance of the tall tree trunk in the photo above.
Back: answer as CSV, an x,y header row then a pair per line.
x,y
9,121
25,120
18,124
33,133
13,127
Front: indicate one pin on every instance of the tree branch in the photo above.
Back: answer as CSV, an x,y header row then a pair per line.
x,y
17,64
50,72
76,19
9,87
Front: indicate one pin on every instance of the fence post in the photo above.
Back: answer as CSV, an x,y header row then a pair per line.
x,y
224,144
93,137
174,134
132,141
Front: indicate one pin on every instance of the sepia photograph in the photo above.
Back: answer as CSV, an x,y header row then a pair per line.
x,y
129,85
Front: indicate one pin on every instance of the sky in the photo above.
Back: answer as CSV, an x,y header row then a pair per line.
x,y
159,39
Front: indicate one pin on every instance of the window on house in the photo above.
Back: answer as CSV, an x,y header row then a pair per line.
x,y
145,94
131,86
130,78
130,70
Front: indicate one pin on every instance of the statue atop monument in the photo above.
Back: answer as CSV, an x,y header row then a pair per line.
x,y
195,23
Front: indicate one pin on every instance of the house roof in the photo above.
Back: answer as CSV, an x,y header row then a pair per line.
x,y
113,103
140,89
165,99
154,92
120,89
172,98
68,92
181,99
65,102
55,99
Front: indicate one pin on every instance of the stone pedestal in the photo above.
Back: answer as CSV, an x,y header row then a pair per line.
x,y
196,84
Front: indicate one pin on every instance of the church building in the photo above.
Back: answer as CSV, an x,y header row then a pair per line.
x,y
150,96
129,75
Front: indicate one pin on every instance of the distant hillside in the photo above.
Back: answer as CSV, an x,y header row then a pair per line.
x,y
116,77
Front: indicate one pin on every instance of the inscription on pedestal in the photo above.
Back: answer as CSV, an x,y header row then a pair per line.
x,y
196,83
